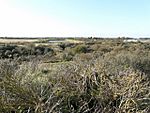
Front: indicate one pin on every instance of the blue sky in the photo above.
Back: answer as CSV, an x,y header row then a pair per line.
x,y
100,18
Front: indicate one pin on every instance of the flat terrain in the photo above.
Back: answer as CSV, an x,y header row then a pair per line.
x,y
18,40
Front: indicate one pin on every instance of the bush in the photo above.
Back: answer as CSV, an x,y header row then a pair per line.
x,y
74,87
80,49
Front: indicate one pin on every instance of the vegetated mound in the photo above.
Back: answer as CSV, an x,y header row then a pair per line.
x,y
16,51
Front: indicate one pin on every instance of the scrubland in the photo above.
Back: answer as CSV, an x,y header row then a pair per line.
x,y
93,76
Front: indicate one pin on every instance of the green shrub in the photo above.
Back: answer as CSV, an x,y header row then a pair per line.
x,y
80,49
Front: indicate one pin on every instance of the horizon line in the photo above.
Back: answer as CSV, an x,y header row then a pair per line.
x,y
69,37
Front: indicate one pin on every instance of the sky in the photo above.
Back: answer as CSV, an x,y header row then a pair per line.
x,y
75,18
